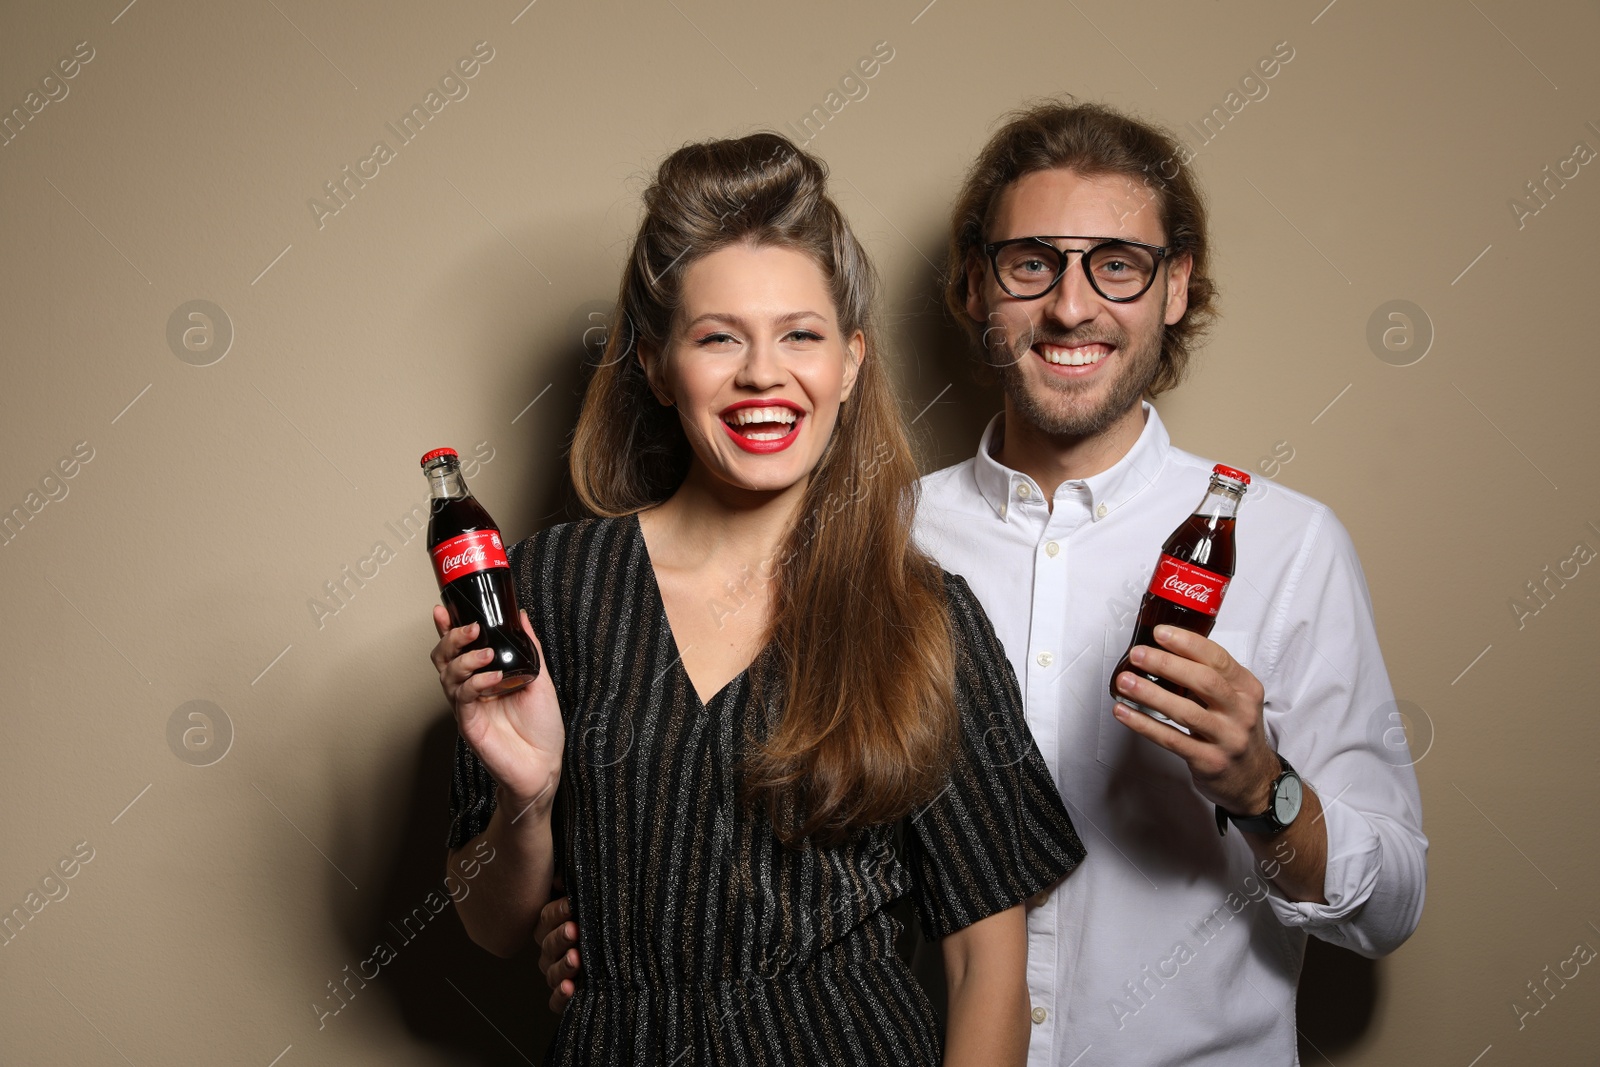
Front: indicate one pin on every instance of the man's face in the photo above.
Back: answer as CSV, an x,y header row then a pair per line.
x,y
1071,361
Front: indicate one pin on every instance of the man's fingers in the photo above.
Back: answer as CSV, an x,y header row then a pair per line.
x,y
551,933
1200,678
1202,722
1175,741
562,971
560,997
1192,646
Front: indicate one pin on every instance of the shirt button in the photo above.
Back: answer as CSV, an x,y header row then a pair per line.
x,y
1100,512
1051,549
1039,1015
1045,659
1023,490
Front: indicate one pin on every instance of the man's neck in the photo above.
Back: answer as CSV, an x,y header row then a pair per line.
x,y
1050,459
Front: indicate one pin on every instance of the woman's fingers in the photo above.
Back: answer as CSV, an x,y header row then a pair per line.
x,y
461,668
477,686
451,642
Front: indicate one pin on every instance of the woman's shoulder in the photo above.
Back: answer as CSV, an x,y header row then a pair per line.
x,y
981,659
568,543
966,612
557,569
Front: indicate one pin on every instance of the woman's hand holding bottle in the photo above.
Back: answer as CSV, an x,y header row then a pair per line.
x,y
520,735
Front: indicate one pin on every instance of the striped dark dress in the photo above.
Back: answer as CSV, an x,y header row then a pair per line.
x,y
704,940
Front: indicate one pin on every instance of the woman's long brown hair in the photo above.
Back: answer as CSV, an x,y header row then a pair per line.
x,y
869,722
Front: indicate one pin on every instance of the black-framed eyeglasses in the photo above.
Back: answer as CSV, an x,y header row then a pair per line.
x,y
1118,269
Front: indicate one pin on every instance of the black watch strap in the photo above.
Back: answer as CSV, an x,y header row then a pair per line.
x,y
1264,823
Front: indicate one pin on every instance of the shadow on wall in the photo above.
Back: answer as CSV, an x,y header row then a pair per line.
x,y
1337,999
935,363
449,992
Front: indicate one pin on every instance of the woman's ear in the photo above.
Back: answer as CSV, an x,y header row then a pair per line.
x,y
650,362
855,352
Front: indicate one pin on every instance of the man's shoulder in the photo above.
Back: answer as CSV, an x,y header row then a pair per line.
x,y
1287,509
944,476
948,487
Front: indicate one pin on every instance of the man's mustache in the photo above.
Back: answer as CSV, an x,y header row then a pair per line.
x,y
1035,336
1072,340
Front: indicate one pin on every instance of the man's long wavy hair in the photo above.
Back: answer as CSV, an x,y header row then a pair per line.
x,y
1094,141
868,720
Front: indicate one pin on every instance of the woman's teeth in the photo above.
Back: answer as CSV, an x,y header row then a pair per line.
x,y
1073,357
770,417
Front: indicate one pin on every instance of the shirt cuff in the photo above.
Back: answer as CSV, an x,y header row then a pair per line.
x,y
1354,856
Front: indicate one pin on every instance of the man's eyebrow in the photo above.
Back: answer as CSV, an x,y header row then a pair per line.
x,y
736,320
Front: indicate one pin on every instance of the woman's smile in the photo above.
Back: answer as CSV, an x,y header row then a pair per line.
x,y
763,425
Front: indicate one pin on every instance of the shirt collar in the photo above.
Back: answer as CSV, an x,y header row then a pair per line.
x,y
1108,490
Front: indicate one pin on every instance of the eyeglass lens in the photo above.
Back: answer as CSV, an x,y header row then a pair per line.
x,y
1116,270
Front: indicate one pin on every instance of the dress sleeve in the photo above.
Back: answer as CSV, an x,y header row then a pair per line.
x,y
999,832
472,796
472,787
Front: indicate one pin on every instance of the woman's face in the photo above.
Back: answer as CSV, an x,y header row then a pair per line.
x,y
757,365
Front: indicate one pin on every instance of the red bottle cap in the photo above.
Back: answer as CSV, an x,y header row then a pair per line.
x,y
436,453
1229,472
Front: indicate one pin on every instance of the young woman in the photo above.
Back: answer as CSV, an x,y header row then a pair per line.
x,y
768,713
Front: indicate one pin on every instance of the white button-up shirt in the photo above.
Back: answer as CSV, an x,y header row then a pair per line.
x,y
1169,945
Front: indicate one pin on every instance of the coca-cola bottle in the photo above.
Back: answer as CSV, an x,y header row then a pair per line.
x,y
475,580
1191,577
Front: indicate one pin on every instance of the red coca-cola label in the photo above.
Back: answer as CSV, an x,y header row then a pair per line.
x,y
1183,583
468,553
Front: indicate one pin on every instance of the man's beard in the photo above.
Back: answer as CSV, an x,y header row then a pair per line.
x,y
1055,412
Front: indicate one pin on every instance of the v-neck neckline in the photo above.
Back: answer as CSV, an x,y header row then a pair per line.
x,y
654,587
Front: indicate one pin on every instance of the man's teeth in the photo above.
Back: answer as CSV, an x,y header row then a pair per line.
x,y
1073,357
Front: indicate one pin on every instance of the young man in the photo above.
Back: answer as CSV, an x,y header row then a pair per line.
x,y
1172,943
1079,261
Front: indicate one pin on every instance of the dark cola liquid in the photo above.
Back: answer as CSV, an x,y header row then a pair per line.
x,y
487,597
1204,541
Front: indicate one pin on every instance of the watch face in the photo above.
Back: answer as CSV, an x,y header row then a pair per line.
x,y
1286,802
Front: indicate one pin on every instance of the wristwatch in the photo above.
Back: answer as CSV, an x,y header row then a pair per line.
x,y
1287,793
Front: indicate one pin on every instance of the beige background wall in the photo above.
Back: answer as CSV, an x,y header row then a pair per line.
x,y
454,290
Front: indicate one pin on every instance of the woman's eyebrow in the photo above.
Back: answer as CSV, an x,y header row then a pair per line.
x,y
737,320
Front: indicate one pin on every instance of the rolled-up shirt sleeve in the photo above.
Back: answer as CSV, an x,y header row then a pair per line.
x,y
1332,714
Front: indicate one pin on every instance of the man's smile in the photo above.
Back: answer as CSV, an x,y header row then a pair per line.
x,y
1073,360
